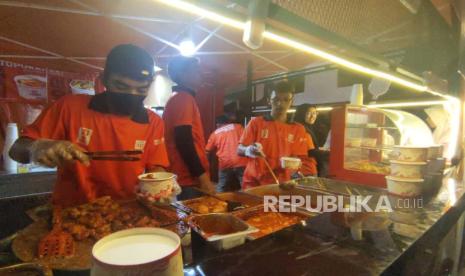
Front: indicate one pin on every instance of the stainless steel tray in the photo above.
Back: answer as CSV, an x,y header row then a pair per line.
x,y
210,226
302,214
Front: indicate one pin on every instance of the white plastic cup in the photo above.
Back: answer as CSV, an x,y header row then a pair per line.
x,y
11,135
356,97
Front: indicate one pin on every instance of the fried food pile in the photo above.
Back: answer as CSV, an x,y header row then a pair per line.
x,y
366,166
103,217
206,205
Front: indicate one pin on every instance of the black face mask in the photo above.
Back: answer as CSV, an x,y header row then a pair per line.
x,y
125,104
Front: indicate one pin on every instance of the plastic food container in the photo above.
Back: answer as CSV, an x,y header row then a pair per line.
x,y
435,152
407,169
353,142
222,231
369,142
410,153
138,251
405,187
290,163
154,186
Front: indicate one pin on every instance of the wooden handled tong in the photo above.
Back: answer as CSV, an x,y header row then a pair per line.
x,y
116,155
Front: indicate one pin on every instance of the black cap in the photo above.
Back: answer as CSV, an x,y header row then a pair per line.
x,y
131,61
178,65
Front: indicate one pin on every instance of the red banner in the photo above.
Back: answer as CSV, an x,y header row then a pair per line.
x,y
33,85
25,91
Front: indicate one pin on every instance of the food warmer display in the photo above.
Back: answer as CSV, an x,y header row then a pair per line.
x,y
362,139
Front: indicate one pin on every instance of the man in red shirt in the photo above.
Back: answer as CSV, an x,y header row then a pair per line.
x,y
231,166
273,137
184,136
113,120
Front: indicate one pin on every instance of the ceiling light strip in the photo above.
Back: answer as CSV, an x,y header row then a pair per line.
x,y
272,35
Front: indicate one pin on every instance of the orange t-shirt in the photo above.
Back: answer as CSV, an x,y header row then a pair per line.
x,y
225,140
70,119
278,140
181,110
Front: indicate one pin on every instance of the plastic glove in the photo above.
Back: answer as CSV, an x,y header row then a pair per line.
x,y
53,153
255,150
206,184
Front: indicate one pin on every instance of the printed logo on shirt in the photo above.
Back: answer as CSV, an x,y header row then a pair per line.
x,y
84,135
225,128
139,145
264,133
290,138
157,142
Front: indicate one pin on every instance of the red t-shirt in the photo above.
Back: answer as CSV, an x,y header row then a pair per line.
x,y
225,140
181,110
70,119
278,140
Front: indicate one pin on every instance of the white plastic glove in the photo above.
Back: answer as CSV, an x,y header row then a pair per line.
x,y
53,153
255,150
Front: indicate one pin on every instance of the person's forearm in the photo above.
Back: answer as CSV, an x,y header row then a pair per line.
x,y
185,145
241,150
21,150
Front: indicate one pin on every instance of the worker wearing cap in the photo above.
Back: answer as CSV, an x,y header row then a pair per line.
x,y
114,120
272,137
184,134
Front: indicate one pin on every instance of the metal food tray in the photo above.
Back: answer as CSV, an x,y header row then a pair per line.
x,y
183,205
222,241
247,200
248,213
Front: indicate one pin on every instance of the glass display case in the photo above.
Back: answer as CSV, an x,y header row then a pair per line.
x,y
362,140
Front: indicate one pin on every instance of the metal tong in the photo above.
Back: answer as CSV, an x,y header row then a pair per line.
x,y
115,155
270,169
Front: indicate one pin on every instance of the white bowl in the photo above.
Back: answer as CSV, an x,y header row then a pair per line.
x,y
406,187
30,92
435,152
407,169
291,163
138,251
157,185
410,153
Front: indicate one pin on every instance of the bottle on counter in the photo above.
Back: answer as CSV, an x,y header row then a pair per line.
x,y
11,135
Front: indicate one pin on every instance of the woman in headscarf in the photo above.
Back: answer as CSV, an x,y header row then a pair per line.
x,y
439,120
306,114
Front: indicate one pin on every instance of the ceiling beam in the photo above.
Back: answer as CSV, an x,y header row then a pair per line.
x,y
117,18
126,24
207,53
141,31
185,29
212,33
49,52
89,12
176,46
243,48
